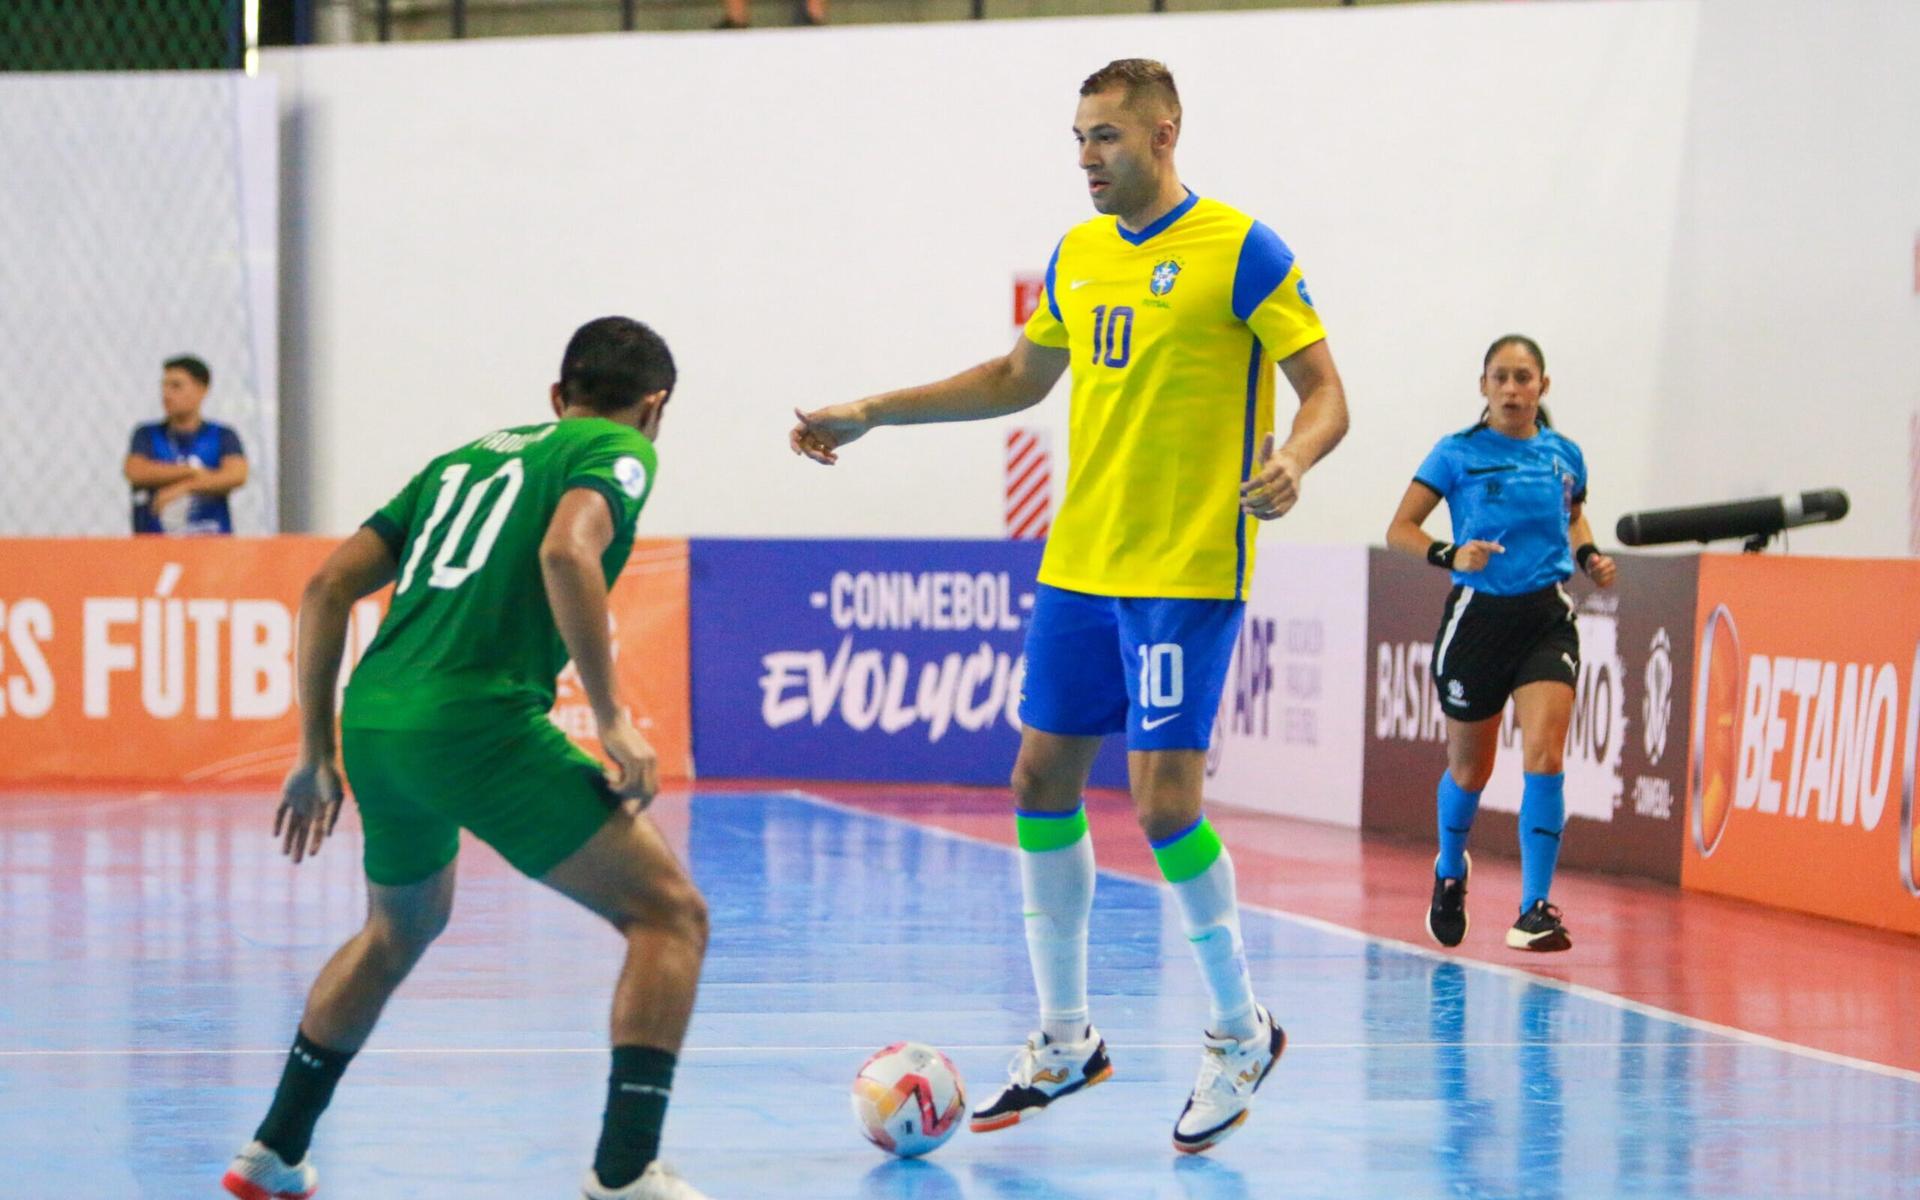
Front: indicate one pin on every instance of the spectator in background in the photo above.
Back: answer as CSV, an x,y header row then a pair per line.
x,y
181,469
806,12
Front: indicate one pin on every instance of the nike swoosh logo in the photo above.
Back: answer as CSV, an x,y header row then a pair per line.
x,y
1156,722
1491,470
1077,284
644,1089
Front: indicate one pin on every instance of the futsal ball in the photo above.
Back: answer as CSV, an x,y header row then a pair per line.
x,y
908,1099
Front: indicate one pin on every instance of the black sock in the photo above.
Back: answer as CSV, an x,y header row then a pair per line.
x,y
306,1088
636,1108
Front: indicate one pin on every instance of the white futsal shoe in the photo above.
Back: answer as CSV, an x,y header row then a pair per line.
x,y
257,1173
1230,1073
657,1182
1043,1071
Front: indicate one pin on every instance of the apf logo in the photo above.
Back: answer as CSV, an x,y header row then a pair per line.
x,y
1656,706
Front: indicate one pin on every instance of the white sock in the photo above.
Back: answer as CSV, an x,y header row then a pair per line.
x,y
1057,886
1212,919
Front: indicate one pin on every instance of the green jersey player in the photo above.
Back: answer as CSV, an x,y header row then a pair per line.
x,y
501,553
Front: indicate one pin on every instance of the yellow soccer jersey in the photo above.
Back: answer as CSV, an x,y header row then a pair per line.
x,y
1174,332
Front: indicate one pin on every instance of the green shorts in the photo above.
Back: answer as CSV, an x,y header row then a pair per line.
x,y
521,787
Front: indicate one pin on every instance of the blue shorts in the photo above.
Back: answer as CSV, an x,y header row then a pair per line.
x,y
1155,668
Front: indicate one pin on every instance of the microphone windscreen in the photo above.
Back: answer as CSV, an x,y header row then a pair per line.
x,y
1703,523
1825,504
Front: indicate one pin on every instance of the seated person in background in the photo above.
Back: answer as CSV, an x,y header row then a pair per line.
x,y
182,468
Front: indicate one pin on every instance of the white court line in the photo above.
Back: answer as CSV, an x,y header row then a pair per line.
x,y
1577,989
995,1047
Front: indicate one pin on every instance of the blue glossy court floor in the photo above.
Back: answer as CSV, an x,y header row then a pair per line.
x,y
155,950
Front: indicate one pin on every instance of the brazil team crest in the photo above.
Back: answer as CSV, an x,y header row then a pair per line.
x,y
1165,275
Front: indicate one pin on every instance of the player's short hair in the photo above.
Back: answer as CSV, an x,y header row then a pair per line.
x,y
612,362
191,365
1144,79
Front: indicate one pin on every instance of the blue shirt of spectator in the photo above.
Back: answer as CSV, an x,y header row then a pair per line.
x,y
182,469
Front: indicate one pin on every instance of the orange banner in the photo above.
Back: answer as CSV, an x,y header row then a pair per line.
x,y
170,661
648,612
1806,728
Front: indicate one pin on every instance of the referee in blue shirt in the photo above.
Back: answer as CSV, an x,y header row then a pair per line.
x,y
183,468
1514,488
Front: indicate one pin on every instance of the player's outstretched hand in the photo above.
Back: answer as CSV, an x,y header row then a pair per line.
x,y
825,430
635,774
1475,555
1275,485
309,808
1602,570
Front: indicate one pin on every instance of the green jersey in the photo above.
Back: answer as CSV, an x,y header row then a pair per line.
x,y
469,636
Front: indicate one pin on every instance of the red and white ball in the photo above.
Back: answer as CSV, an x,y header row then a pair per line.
x,y
908,1099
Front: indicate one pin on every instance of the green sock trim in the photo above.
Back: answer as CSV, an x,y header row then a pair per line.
x,y
1188,855
1040,832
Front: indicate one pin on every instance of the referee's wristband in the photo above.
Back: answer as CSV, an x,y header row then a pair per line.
x,y
1440,554
1584,554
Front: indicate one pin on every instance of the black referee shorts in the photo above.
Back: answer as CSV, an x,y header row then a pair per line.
x,y
1490,645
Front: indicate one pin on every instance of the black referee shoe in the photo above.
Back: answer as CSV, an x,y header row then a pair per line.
x,y
1539,929
1447,914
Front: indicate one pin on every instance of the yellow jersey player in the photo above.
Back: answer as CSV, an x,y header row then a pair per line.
x,y
1170,308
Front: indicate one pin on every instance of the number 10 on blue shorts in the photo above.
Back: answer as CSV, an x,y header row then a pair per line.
x,y
1102,664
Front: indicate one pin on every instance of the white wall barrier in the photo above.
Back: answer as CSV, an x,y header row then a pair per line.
x,y
814,216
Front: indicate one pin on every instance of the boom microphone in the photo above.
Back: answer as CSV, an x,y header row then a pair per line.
x,y
1756,520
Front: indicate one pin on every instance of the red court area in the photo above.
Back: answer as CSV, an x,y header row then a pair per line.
x,y
1834,987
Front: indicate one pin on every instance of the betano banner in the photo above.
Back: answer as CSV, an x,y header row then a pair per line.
x,y
1805,733
1626,744
162,661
